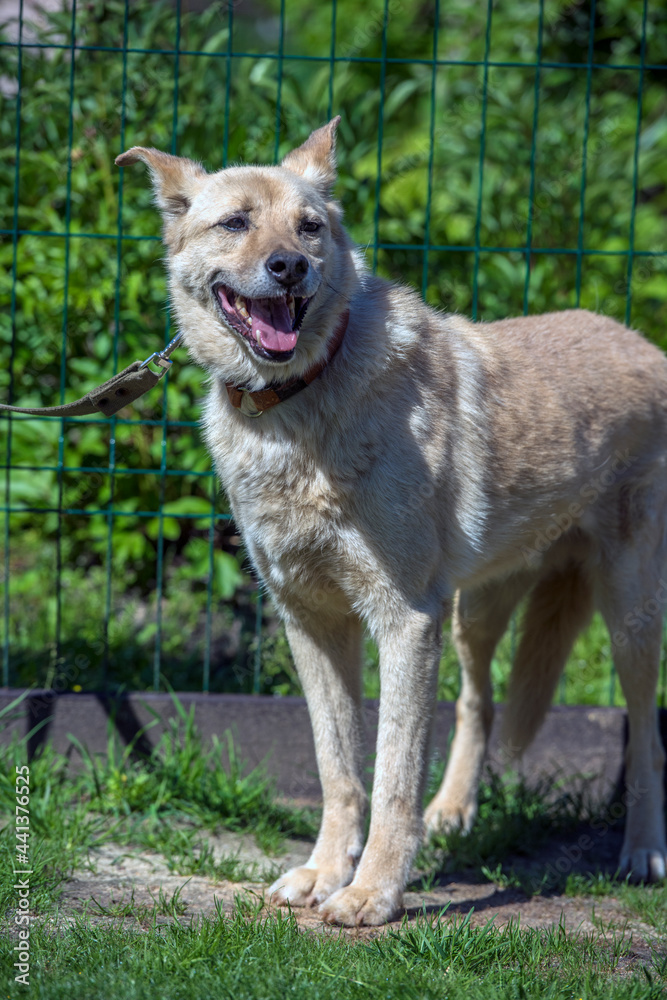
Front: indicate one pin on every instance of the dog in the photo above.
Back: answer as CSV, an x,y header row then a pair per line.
x,y
389,465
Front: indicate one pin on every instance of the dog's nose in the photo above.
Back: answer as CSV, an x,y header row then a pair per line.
x,y
287,268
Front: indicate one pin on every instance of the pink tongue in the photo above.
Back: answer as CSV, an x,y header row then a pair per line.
x,y
272,322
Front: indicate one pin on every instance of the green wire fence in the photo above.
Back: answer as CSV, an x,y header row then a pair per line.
x,y
504,159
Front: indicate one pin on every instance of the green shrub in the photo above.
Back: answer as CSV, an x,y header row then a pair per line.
x,y
146,540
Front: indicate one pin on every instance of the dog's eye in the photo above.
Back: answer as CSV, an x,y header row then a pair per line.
x,y
234,223
310,226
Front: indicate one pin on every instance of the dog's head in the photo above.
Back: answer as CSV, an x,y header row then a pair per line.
x,y
258,261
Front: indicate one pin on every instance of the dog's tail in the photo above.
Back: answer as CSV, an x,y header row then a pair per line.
x,y
559,607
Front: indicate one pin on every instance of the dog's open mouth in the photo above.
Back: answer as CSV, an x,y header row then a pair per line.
x,y
271,326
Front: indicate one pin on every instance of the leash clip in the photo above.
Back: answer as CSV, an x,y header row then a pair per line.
x,y
161,358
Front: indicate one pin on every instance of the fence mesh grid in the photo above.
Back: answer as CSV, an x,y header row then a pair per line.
x,y
278,74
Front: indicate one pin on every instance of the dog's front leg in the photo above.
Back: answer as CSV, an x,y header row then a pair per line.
x,y
409,659
327,654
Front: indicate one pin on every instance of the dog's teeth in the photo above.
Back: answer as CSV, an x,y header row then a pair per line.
x,y
241,307
290,305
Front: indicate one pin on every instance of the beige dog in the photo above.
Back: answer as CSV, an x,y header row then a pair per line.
x,y
407,463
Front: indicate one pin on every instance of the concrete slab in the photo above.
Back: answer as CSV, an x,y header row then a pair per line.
x,y
277,732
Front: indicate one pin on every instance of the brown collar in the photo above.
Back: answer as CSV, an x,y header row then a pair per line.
x,y
253,404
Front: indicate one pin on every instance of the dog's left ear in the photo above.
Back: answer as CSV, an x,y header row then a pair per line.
x,y
316,158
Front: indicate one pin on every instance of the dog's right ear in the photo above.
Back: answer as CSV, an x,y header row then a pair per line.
x,y
315,159
175,178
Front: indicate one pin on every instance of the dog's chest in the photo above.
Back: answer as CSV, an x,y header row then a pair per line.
x,y
288,500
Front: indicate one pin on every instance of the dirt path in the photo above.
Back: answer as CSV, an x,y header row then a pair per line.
x,y
120,877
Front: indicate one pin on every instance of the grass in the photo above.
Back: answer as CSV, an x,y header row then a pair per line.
x,y
647,903
211,787
251,955
163,906
513,818
518,821
161,803
137,948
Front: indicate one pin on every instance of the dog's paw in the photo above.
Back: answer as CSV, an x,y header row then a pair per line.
x,y
355,905
643,864
443,819
306,886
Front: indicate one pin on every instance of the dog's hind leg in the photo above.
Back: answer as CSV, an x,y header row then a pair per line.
x,y
327,654
479,620
632,596
559,607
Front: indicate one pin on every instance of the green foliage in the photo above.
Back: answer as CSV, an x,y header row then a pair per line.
x,y
588,678
278,673
145,542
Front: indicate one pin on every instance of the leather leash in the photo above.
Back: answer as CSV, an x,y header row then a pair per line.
x,y
137,379
128,385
